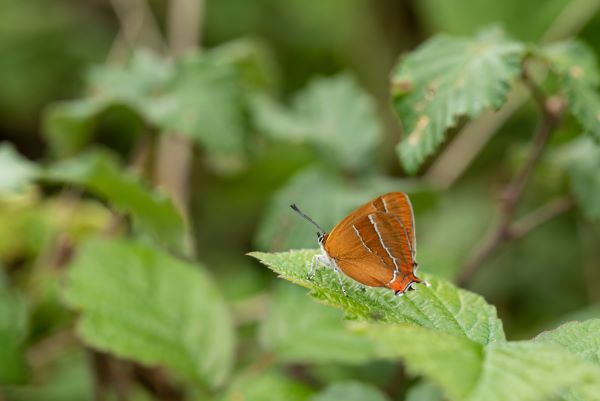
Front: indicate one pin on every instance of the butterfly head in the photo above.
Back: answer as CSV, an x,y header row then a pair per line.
x,y
321,237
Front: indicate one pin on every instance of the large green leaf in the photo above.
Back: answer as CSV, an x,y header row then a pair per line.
x,y
301,330
153,212
349,391
580,338
454,339
469,371
333,114
142,304
326,197
576,66
16,172
583,340
446,78
441,307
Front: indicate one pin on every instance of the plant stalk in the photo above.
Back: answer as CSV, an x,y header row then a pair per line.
x,y
551,112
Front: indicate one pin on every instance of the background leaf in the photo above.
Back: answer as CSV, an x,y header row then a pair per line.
x,y
267,386
16,172
142,304
446,78
197,96
201,101
424,391
582,160
67,378
349,391
69,125
576,65
301,330
153,212
441,307
334,114
14,328
253,60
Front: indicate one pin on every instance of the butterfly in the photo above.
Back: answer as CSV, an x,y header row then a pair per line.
x,y
374,245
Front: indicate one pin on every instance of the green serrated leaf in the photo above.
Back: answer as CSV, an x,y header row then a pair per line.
x,y
447,335
349,391
467,371
16,172
300,330
579,338
452,362
576,66
334,114
326,197
13,333
441,307
99,173
142,304
446,78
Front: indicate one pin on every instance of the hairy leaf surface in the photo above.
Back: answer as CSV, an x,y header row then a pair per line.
x,y
446,78
142,304
441,307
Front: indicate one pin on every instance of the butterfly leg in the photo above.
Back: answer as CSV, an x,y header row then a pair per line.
x,y
339,276
313,267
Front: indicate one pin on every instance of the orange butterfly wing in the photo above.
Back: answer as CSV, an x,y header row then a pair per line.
x,y
375,244
394,203
398,204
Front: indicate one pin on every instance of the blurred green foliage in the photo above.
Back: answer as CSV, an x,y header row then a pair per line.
x,y
111,289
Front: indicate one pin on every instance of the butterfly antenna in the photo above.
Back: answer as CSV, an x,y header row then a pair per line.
x,y
301,213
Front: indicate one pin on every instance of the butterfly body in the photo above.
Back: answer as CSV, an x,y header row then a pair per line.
x,y
375,244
